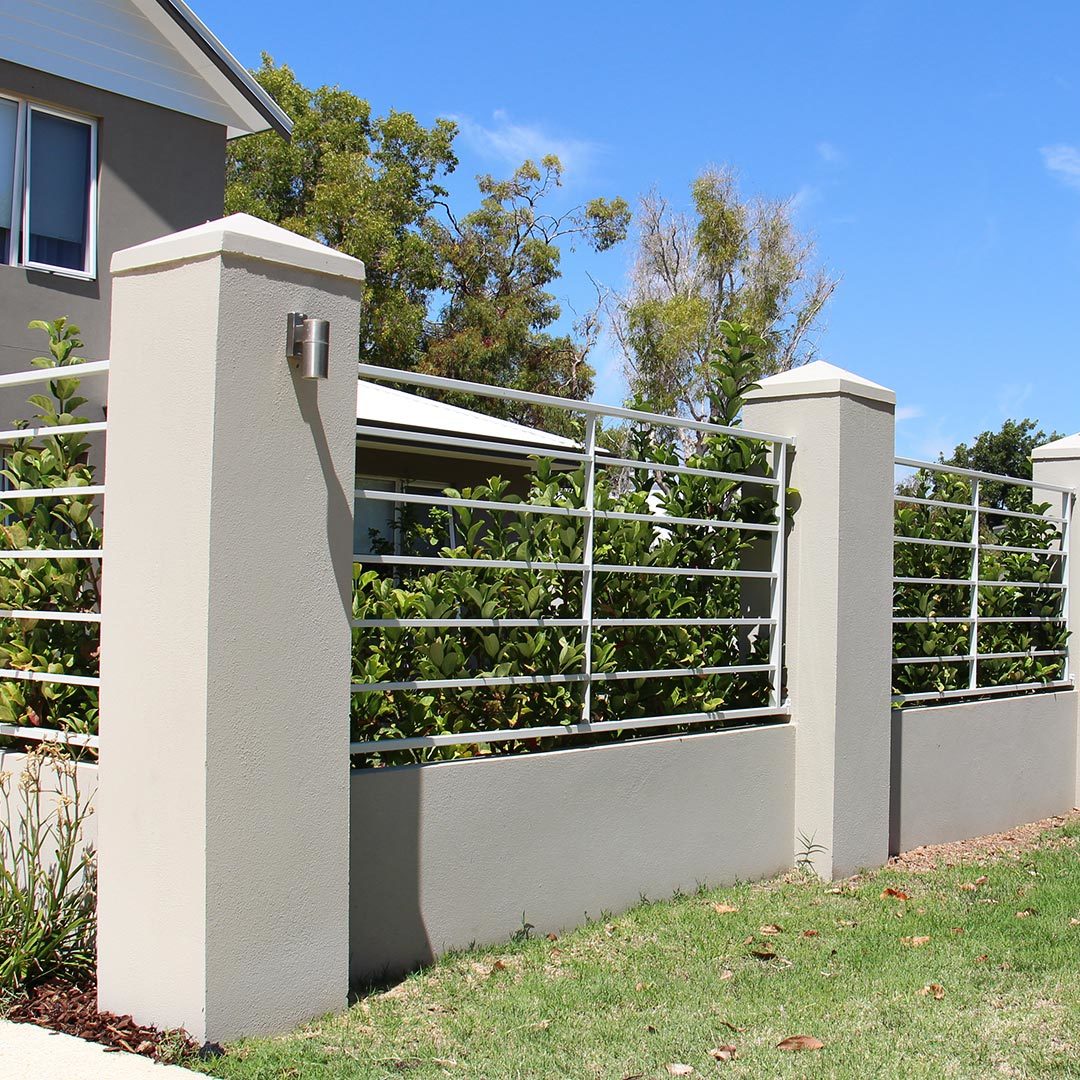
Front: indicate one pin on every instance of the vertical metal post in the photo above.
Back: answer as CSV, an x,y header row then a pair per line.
x,y
973,613
1067,500
776,607
587,561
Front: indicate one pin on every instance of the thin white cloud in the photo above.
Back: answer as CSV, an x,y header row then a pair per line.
x,y
908,412
1063,161
806,196
511,143
830,153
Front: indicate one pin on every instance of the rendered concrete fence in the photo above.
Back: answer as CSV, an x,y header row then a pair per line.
x,y
976,767
448,854
246,875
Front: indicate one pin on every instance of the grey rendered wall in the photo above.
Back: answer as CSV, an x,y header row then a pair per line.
x,y
448,854
980,767
160,171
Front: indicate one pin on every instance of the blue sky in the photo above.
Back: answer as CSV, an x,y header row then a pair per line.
x,y
933,150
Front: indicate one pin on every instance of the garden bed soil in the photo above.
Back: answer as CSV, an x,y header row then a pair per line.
x,y
1009,844
71,1007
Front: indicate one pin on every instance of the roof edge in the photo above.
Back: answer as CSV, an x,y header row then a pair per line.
x,y
202,36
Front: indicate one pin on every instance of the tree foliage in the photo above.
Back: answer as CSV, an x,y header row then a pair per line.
x,y
360,183
733,259
372,187
499,262
1007,452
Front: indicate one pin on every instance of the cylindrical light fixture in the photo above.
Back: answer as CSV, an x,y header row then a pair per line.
x,y
308,345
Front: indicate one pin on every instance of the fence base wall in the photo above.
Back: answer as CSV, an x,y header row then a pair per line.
x,y
448,854
978,767
52,785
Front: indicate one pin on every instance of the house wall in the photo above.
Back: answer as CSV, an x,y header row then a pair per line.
x,y
979,767
159,172
447,854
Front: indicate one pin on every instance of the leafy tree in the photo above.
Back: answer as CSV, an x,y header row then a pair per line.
x,y
371,186
1007,452
498,264
360,183
733,259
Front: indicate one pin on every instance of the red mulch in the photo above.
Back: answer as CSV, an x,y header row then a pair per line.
x,y
72,1008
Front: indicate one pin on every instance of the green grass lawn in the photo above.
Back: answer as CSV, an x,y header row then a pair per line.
x,y
665,983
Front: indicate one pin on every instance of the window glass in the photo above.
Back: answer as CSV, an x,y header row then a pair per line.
x,y
59,168
9,131
373,521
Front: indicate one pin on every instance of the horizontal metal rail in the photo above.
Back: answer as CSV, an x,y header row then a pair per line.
x,y
571,567
51,553
975,474
51,431
968,507
983,691
554,680
686,470
965,657
961,619
67,738
969,583
49,677
927,541
542,623
658,519
438,382
11,494
51,616
421,742
39,375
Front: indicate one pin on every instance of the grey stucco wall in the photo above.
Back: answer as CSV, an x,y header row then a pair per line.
x,y
452,853
159,171
980,767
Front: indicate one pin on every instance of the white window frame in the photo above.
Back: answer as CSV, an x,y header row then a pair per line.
x,y
19,241
401,486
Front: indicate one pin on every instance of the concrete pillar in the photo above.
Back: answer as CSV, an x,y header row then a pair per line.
x,y
1058,463
224,779
839,605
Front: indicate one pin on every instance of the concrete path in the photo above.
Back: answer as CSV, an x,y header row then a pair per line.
x,y
28,1052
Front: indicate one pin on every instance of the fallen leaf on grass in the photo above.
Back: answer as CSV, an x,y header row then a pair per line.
x,y
971,886
676,1069
724,1053
730,1026
726,974
982,959
763,954
800,1042
772,928
895,894
915,942
1074,922
846,922
724,909
934,990
809,933
957,929
498,966
553,937
1026,913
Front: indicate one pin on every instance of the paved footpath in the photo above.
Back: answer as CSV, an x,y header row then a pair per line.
x,y
28,1052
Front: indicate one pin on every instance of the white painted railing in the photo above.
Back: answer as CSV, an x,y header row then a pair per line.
x,y
975,519
31,434
589,454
